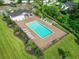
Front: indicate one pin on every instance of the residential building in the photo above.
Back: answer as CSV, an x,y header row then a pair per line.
x,y
68,5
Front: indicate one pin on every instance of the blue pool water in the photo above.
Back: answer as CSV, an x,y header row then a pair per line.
x,y
41,30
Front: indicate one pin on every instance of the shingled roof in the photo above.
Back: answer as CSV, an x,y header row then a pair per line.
x,y
19,12
70,4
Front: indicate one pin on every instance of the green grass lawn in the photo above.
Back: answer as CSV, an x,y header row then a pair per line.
x,y
77,1
10,46
67,44
13,48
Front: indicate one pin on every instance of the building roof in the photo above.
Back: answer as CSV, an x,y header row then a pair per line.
x,y
19,12
70,4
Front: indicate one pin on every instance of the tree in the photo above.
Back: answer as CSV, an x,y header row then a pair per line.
x,y
28,1
63,1
19,1
39,2
52,11
1,2
4,17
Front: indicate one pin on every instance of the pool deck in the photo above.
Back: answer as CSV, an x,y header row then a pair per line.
x,y
41,43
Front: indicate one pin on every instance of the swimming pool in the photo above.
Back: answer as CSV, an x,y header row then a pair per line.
x,y
40,29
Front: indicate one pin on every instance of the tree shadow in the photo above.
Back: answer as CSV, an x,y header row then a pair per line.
x,y
77,41
61,53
